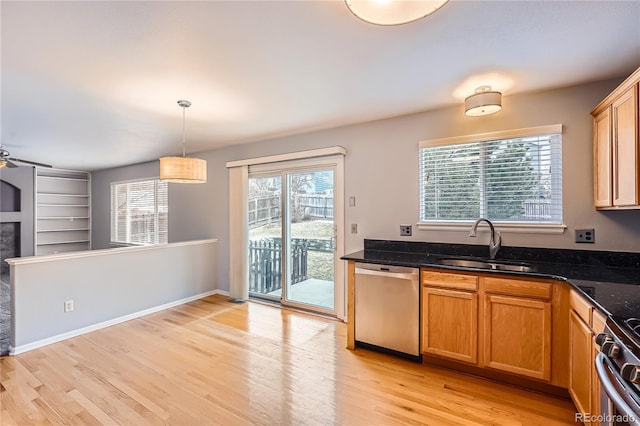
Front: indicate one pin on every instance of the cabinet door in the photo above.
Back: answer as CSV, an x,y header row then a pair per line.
x,y
450,324
517,336
625,148
602,159
581,360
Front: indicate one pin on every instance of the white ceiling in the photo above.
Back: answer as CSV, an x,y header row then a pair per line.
x,y
91,85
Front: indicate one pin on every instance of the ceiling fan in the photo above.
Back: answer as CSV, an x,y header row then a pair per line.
x,y
6,160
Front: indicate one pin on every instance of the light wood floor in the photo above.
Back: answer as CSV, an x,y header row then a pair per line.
x,y
215,362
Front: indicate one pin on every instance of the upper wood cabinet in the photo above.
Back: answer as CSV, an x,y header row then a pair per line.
x,y
615,148
602,159
624,113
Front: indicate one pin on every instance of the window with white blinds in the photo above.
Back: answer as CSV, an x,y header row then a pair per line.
x,y
513,179
139,212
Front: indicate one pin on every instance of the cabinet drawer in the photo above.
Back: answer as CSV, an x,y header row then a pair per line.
x,y
537,289
581,306
449,280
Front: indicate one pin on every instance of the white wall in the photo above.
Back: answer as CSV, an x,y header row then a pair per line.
x,y
381,171
106,286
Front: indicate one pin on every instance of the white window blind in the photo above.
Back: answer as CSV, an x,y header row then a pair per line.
x,y
509,180
139,212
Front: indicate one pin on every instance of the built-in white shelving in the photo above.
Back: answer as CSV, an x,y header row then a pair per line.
x,y
63,211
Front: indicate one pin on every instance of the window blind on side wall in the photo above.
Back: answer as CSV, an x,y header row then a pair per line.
x,y
139,212
517,180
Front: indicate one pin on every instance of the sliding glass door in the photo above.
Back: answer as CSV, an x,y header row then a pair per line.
x,y
310,236
292,236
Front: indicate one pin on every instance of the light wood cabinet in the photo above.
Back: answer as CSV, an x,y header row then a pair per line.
x,y
517,335
498,323
585,322
449,324
581,353
450,315
624,113
602,159
616,152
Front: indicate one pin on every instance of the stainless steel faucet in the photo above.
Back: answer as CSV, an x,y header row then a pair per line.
x,y
494,241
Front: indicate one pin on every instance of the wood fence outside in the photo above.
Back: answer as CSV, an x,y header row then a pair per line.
x,y
266,209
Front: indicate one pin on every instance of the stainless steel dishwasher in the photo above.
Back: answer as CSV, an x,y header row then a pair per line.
x,y
387,308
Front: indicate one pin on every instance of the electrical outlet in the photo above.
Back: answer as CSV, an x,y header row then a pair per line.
x,y
405,230
68,305
585,235
354,228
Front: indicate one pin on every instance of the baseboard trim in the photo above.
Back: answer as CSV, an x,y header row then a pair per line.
x,y
88,329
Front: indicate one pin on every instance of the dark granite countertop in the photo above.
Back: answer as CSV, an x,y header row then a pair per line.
x,y
611,280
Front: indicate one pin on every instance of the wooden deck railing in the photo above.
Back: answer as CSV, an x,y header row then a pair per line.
x,y
265,262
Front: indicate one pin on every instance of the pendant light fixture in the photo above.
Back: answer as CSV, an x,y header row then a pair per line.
x,y
483,102
183,169
393,12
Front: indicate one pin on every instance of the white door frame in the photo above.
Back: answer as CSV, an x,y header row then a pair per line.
x,y
332,156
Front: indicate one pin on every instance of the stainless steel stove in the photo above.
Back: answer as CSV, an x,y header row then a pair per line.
x,y
618,367
634,326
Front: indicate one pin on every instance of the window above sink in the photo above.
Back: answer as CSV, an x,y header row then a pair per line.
x,y
513,178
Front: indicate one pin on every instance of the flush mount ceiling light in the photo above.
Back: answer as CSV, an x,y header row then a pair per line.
x,y
483,102
183,169
393,12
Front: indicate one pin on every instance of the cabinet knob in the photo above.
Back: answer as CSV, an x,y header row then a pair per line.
x,y
601,338
631,372
611,349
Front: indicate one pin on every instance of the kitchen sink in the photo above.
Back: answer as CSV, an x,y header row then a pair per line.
x,y
485,264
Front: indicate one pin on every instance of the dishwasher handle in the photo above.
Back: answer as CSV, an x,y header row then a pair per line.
x,y
403,274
